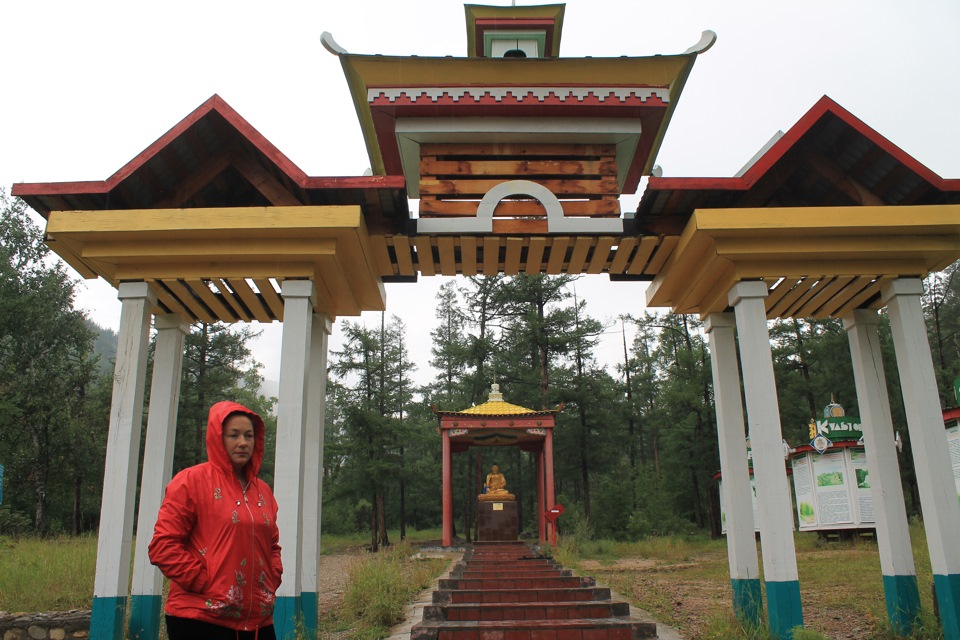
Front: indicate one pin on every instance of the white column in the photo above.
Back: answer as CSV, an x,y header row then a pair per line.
x,y
769,471
147,587
298,301
114,542
313,470
737,496
928,440
890,514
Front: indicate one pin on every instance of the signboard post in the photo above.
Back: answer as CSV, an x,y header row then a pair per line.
x,y
552,514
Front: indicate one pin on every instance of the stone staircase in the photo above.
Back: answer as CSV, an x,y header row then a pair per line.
x,y
505,591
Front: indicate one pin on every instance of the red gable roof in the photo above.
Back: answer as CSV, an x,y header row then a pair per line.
x,y
215,158
828,158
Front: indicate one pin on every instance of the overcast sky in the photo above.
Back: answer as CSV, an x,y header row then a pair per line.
x,y
88,85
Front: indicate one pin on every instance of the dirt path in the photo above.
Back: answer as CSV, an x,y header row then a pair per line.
x,y
332,581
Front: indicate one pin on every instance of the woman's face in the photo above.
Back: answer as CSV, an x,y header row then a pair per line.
x,y
238,440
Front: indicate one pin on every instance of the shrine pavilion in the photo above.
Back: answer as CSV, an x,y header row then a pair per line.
x,y
518,158
496,423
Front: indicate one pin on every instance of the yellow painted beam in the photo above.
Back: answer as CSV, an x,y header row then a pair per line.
x,y
835,247
252,222
830,221
206,270
239,248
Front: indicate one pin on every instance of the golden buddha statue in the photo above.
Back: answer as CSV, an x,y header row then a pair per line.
x,y
496,488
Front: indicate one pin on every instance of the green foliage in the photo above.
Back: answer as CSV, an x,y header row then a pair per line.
x,y
49,442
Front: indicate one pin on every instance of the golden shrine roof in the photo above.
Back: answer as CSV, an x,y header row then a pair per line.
x,y
497,408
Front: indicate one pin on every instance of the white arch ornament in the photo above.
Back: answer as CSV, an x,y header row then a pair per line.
x,y
556,221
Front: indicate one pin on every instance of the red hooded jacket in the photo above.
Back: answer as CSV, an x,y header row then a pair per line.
x,y
218,543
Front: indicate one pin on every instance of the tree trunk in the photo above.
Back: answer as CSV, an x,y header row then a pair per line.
x,y
382,521
373,522
76,523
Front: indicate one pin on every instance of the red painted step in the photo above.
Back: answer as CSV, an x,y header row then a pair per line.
x,y
526,610
506,591
586,629
581,594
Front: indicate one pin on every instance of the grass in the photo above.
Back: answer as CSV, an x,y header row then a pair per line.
x,y
685,582
380,587
47,575
688,586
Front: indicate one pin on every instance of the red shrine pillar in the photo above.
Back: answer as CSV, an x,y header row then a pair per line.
x,y
447,490
548,468
541,499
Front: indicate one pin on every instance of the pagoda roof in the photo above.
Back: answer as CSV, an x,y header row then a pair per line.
x,y
828,158
412,99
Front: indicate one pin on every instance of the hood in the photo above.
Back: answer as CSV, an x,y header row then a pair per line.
x,y
216,454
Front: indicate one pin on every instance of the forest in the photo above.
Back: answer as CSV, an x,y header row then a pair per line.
x,y
635,443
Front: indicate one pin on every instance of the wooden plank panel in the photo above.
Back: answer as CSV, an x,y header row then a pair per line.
x,y
468,208
810,309
171,302
775,294
468,255
511,263
516,149
624,249
197,309
270,297
558,255
817,287
242,289
477,188
564,167
664,249
231,299
425,255
648,245
600,254
448,257
855,286
792,296
535,254
491,255
401,246
520,227
868,292
581,248
382,255
202,291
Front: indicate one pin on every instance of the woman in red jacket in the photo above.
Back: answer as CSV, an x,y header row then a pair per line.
x,y
216,536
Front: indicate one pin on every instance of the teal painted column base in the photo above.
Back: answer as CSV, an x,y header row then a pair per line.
x,y
287,612
144,617
783,607
948,599
311,604
747,599
903,602
106,618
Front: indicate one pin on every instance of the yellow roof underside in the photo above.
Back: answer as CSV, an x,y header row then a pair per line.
x,y
179,251
831,249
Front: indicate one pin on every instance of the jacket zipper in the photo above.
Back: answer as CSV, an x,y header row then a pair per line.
x,y
253,553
